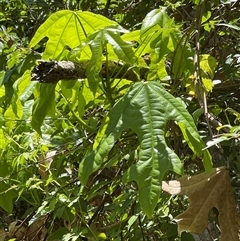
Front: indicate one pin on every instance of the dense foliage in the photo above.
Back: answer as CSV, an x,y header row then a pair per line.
x,y
102,101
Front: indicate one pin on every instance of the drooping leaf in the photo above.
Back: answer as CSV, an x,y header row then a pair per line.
x,y
67,28
95,64
146,108
206,191
43,106
22,90
98,43
122,49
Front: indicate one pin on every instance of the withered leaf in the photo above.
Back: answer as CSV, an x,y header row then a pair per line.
x,y
206,191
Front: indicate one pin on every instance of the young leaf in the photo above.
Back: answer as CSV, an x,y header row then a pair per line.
x,y
95,65
206,191
121,48
146,109
98,42
67,28
155,17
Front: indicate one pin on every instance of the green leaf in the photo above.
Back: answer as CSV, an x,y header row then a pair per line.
x,y
58,234
206,16
208,64
7,196
98,42
146,109
95,65
43,106
67,28
122,49
155,17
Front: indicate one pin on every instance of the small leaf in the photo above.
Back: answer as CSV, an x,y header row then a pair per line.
x,y
208,65
206,16
155,17
102,236
208,84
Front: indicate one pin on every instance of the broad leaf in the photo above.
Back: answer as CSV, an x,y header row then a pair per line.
x,y
67,28
146,109
206,191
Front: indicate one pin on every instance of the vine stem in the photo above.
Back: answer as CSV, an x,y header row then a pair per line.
x,y
78,118
199,86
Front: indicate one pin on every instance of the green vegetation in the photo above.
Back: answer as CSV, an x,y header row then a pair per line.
x,y
103,104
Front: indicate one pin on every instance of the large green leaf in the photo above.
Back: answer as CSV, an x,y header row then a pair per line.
x,y
146,109
67,28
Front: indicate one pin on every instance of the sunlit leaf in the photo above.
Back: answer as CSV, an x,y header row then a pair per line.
x,y
208,65
155,17
67,28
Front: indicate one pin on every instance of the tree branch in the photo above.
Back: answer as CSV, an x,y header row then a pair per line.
x,y
52,71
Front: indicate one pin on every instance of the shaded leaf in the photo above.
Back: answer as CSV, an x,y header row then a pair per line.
x,y
43,106
95,63
7,196
206,191
146,109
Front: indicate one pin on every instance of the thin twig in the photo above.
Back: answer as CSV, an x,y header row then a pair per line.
x,y
140,224
200,90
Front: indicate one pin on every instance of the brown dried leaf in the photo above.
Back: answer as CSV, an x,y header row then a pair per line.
x,y
206,191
